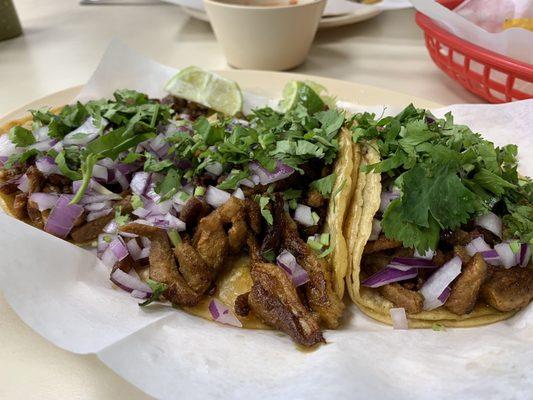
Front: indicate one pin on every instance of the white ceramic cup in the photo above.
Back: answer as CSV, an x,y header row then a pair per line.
x,y
265,34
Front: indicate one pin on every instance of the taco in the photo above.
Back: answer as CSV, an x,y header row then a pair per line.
x,y
236,218
440,224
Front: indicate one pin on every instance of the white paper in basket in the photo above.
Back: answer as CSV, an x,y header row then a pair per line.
x,y
63,293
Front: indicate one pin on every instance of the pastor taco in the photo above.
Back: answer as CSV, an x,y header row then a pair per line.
x,y
237,218
440,223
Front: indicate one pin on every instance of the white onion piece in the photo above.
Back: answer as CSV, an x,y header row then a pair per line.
x,y
98,214
24,184
428,255
134,249
507,257
7,147
440,280
221,313
490,222
214,168
216,197
387,197
304,215
108,258
238,193
477,245
376,229
85,133
44,201
128,282
399,318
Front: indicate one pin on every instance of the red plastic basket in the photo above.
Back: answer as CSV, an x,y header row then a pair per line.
x,y
490,75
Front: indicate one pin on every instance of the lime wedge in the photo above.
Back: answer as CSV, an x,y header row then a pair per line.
x,y
204,87
297,92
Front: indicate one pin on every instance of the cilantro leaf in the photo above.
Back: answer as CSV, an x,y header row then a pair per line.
x,y
233,179
21,137
324,185
158,289
169,185
265,212
61,161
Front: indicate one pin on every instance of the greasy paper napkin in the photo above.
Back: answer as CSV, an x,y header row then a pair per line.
x,y
63,292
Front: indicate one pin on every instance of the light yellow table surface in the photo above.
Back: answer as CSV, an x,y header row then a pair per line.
x,y
61,47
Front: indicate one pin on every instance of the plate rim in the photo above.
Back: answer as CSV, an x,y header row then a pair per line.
x,y
250,75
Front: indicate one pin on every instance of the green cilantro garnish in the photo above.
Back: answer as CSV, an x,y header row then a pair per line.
x,y
21,137
233,179
174,237
136,202
158,289
447,175
119,218
265,212
325,185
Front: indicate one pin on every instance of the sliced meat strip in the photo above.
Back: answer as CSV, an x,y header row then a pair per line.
x,y
272,239
193,210
508,289
192,267
314,199
35,215
163,265
382,243
465,289
19,206
9,186
412,301
127,264
462,253
36,179
90,230
242,307
319,290
274,300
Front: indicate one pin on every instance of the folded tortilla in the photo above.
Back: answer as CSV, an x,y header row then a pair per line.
x,y
363,206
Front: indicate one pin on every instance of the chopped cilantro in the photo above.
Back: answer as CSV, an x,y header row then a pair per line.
x,y
265,212
136,202
119,218
325,185
233,180
158,289
21,137
447,174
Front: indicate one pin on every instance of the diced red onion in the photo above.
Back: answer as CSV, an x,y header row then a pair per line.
x,y
490,222
24,184
399,318
44,201
440,280
108,258
119,249
214,168
247,182
98,206
101,173
304,215
112,227
289,264
126,169
95,189
216,197
524,254
138,294
58,147
389,275
121,180
7,147
376,229
134,249
103,242
428,255
221,313
128,282
507,257
491,257
387,197
42,146
42,133
140,182
3,160
98,214
477,245
89,199
167,221
238,193
62,217
439,301
158,142
281,171
47,165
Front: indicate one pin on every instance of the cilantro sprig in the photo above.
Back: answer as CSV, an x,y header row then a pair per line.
x,y
447,175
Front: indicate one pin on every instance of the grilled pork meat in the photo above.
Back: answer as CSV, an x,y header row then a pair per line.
x,y
193,268
382,243
412,301
465,290
508,289
163,265
319,290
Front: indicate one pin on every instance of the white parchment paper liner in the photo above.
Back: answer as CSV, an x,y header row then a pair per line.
x,y
63,292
